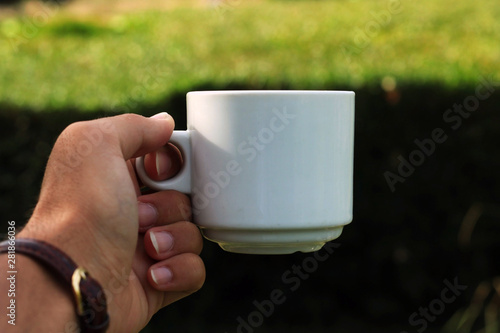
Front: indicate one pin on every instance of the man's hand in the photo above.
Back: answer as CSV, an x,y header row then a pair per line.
x,y
141,248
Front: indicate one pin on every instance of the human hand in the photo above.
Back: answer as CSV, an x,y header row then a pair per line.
x,y
141,248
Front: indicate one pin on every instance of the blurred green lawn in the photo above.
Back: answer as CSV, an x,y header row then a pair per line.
x,y
53,59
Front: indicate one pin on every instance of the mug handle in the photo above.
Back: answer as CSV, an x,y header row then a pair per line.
x,y
182,180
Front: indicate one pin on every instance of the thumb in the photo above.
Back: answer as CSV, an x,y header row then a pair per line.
x,y
138,135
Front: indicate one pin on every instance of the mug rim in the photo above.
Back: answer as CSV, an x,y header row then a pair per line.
x,y
271,92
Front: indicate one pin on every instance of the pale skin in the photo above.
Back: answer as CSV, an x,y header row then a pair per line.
x,y
141,248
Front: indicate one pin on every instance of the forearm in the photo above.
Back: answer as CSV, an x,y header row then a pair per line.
x,y
42,302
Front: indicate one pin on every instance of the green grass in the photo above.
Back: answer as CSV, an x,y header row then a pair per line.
x,y
120,61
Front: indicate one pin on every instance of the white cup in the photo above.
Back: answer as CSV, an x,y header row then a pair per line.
x,y
269,172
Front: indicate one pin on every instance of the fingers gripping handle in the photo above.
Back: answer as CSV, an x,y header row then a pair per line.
x,y
180,182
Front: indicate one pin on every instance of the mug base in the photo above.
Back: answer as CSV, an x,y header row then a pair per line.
x,y
275,241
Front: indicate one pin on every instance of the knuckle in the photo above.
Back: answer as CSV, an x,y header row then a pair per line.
x,y
198,272
196,239
80,140
84,135
184,206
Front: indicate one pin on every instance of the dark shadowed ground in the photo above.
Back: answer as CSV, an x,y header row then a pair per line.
x,y
388,270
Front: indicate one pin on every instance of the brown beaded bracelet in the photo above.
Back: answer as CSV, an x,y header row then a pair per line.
x,y
90,300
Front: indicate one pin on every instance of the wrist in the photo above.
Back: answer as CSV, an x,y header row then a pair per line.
x,y
87,294
77,242
41,303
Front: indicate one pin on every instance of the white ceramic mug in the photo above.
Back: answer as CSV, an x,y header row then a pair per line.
x,y
269,172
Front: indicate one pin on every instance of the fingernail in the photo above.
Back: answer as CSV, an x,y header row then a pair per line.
x,y
147,215
162,241
161,275
163,164
161,115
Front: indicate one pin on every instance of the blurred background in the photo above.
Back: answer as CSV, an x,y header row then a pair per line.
x,y
421,254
